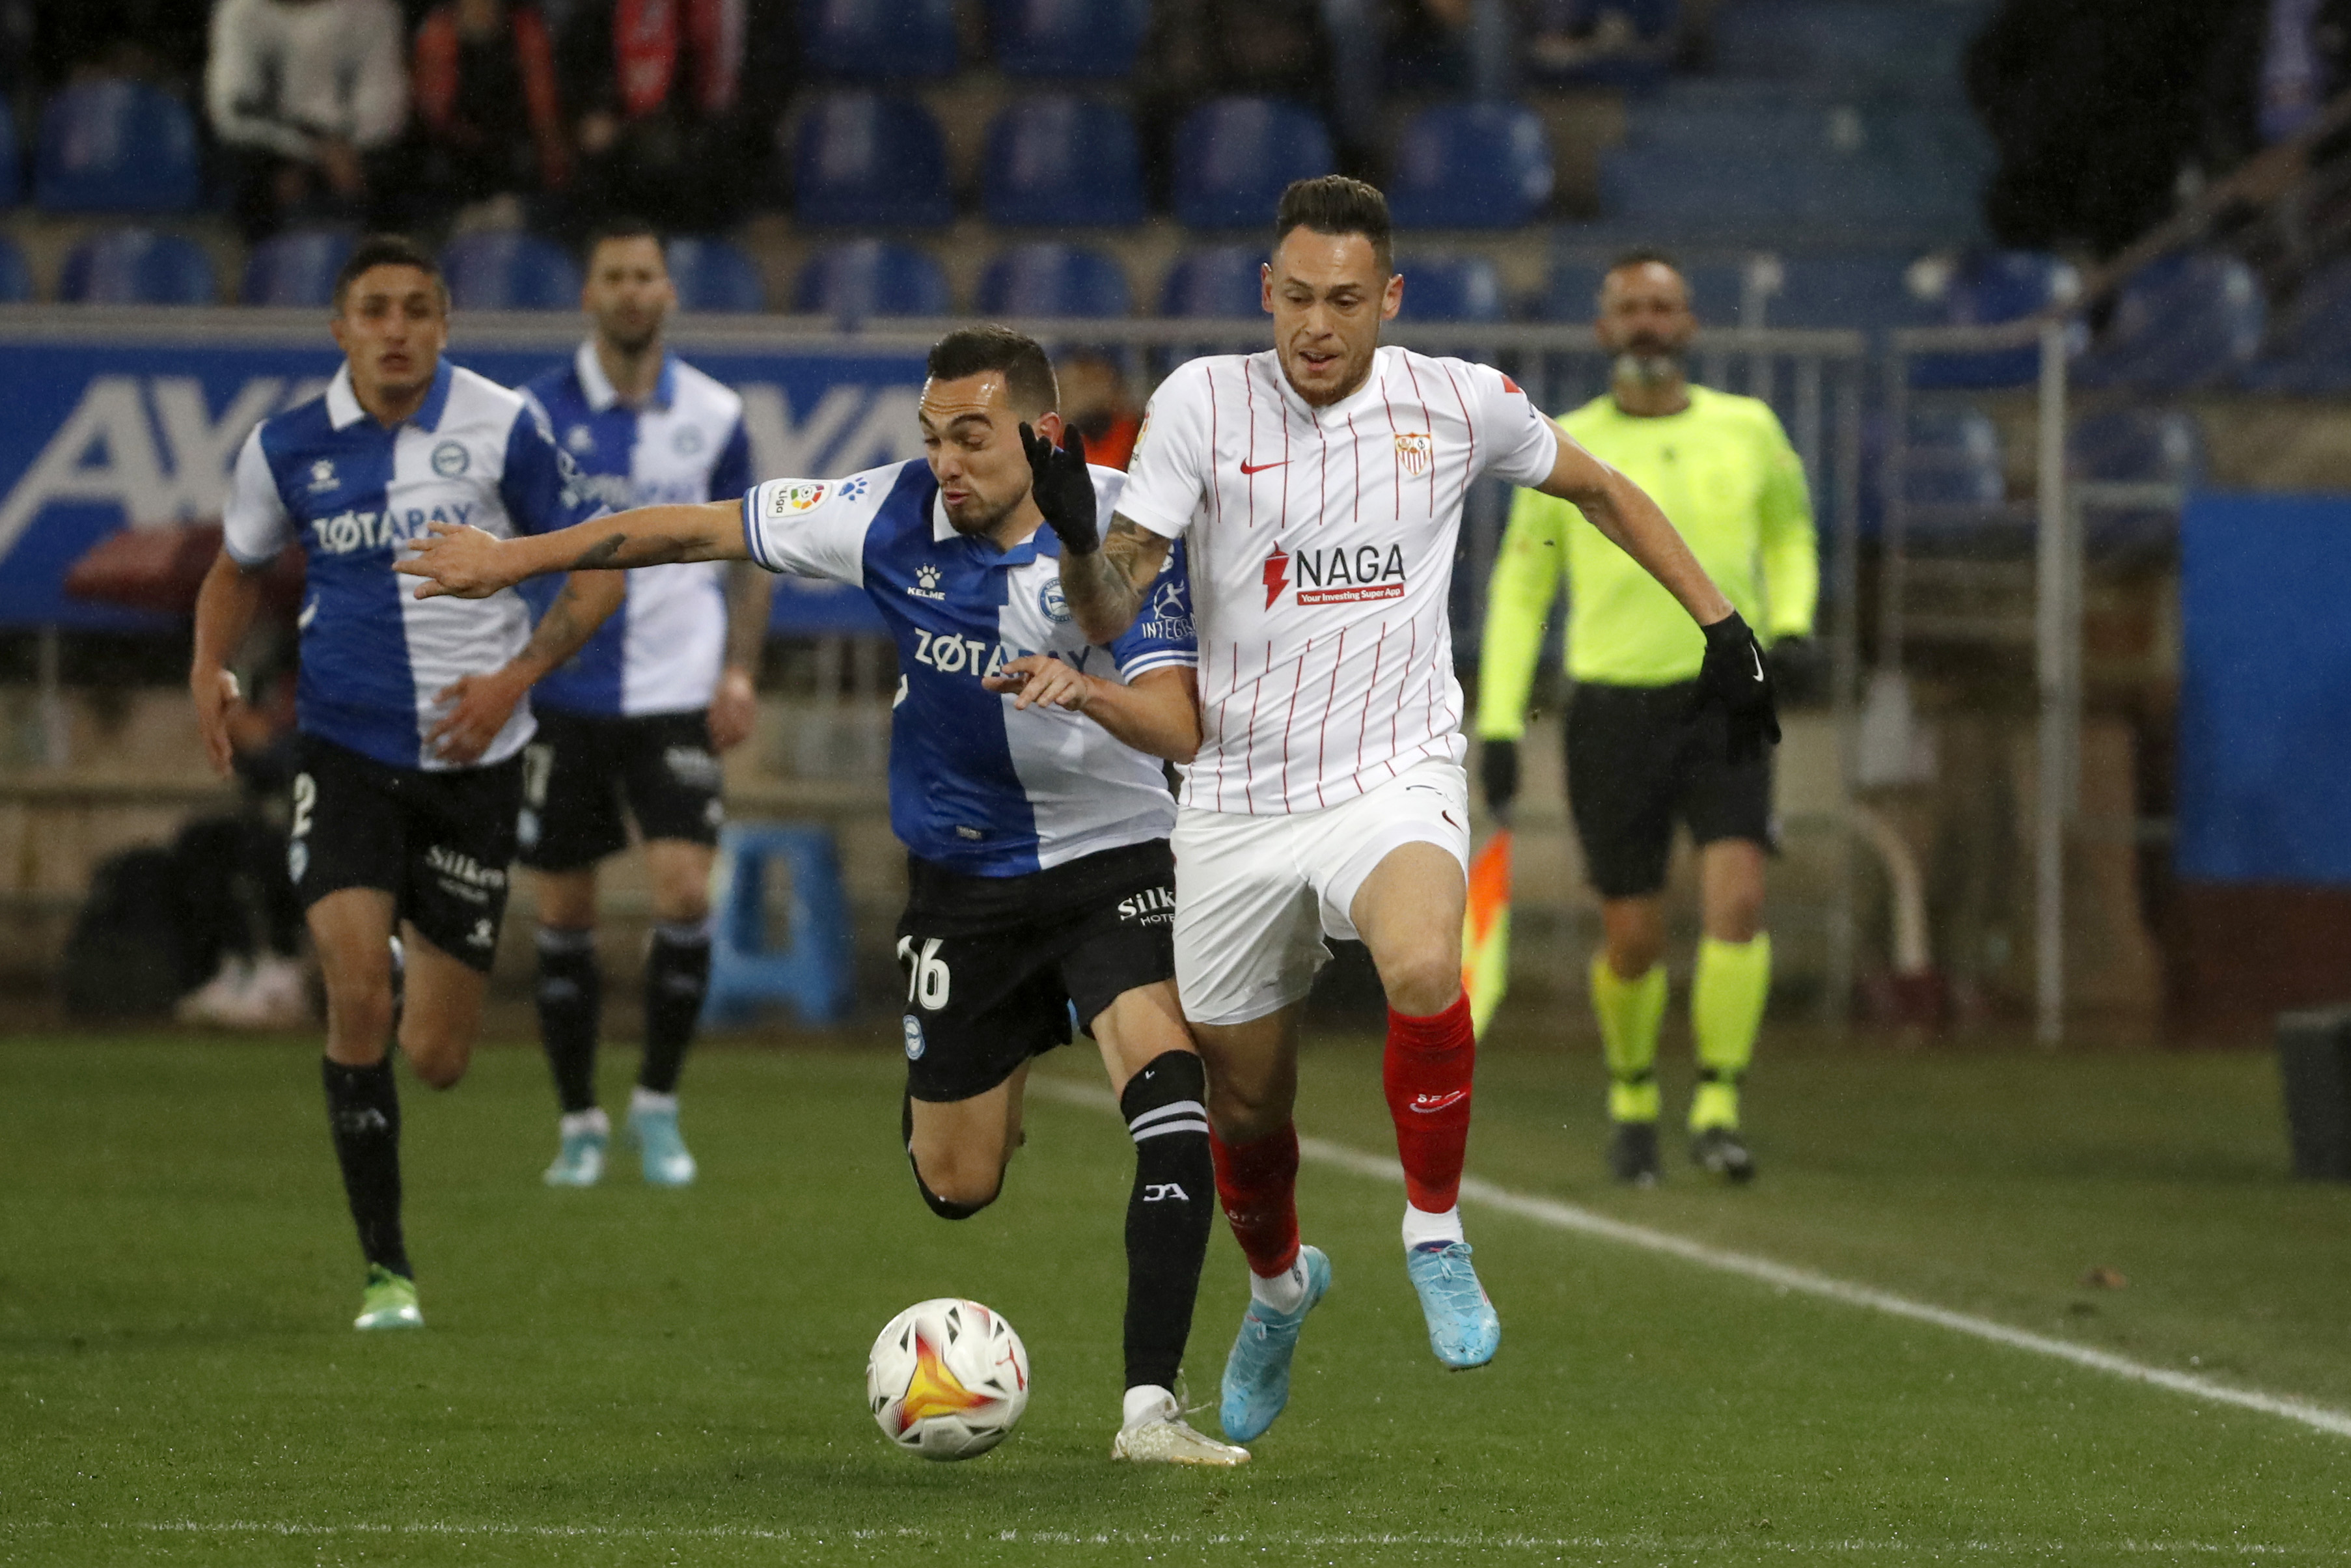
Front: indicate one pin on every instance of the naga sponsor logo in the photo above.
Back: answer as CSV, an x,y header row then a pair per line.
x,y
1416,451
1152,906
346,533
1346,574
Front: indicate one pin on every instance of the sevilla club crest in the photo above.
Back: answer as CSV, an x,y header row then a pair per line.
x,y
1416,452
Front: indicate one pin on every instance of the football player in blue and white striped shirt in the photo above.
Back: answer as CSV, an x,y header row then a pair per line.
x,y
1024,782
412,715
637,715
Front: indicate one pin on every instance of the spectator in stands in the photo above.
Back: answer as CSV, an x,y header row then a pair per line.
x,y
1095,400
309,97
490,119
161,41
657,86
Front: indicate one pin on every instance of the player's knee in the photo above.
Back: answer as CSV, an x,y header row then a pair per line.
x,y
960,1190
439,1061
1422,979
1633,954
358,1021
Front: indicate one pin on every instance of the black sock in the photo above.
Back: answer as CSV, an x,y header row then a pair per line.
x,y
570,1006
363,1114
678,976
1168,1213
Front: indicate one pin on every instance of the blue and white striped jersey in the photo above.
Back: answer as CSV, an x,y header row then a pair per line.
x,y
976,785
327,475
661,651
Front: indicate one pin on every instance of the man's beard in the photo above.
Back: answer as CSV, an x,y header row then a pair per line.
x,y
967,522
632,341
1649,365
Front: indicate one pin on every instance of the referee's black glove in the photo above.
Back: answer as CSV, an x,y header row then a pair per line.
x,y
1064,490
1735,676
1498,769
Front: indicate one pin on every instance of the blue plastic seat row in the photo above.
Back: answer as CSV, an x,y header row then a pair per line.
x,y
871,161
918,39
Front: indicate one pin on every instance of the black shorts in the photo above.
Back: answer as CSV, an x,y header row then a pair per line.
x,y
439,843
995,966
1636,763
581,771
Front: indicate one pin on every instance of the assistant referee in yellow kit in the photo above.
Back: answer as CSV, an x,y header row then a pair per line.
x,y
1638,758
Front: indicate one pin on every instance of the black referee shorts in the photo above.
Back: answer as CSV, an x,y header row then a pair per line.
x,y
1637,762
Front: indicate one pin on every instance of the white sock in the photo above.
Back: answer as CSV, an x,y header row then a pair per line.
x,y
1147,1402
644,1099
1420,1227
591,1120
1285,1293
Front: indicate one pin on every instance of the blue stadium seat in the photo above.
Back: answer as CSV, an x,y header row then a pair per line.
x,y
871,277
505,270
1235,155
1955,472
1097,38
138,266
1224,283
861,159
812,969
296,268
2134,446
1435,288
1867,292
116,147
2310,354
711,275
1987,289
1060,162
1471,166
2191,320
15,277
880,39
1053,280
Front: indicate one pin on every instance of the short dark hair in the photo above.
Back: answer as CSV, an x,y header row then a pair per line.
x,y
1019,359
388,250
1335,205
1646,255
619,225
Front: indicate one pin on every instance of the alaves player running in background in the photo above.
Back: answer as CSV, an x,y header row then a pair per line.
x,y
411,715
638,714
1023,783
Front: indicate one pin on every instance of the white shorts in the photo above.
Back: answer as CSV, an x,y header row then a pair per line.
x,y
1256,895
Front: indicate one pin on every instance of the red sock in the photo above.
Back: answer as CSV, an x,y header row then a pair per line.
x,y
1257,1184
1427,1074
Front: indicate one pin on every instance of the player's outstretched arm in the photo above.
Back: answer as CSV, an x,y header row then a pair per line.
x,y
1158,712
1733,674
735,705
470,564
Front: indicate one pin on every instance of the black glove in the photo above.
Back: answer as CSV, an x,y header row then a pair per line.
x,y
1735,676
1064,490
1497,767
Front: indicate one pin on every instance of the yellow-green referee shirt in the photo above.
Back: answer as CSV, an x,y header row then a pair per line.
x,y
1724,472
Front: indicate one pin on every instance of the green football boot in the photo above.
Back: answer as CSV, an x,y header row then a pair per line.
x,y
389,1301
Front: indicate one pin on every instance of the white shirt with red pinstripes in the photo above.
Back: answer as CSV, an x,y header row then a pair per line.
x,y
1320,544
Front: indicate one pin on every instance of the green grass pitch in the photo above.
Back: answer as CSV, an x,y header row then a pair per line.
x,y
624,1375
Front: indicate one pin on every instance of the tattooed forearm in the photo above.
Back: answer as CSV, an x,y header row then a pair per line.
x,y
570,620
620,550
750,592
1105,588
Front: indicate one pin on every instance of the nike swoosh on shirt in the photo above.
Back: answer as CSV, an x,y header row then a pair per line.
x,y
1759,661
1262,468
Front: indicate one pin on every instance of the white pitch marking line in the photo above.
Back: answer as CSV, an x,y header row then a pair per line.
x,y
1570,1217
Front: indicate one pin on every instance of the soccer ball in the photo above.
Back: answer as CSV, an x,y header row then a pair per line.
x,y
948,1379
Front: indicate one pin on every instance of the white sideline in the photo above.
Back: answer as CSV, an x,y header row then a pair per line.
x,y
1562,1215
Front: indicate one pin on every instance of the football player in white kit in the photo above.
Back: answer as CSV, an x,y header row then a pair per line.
x,y
1318,488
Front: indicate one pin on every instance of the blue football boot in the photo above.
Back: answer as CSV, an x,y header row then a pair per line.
x,y
1462,1328
1257,1374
